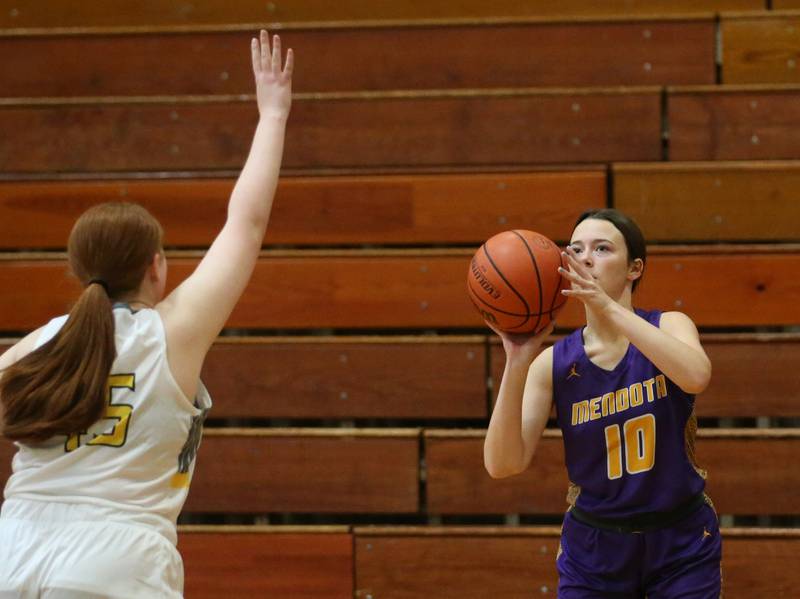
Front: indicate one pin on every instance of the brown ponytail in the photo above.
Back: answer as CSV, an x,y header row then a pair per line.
x,y
60,388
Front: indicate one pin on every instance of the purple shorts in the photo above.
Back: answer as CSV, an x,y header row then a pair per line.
x,y
682,560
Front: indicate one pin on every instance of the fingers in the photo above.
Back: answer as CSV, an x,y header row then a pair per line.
x,y
575,264
276,54
265,53
289,69
255,55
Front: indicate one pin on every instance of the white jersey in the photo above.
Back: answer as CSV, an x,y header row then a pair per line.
x,y
135,464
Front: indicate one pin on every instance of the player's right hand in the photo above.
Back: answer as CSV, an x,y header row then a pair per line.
x,y
520,346
273,79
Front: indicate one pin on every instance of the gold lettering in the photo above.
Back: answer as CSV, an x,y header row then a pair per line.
x,y
580,412
608,403
637,395
661,386
648,386
594,408
622,400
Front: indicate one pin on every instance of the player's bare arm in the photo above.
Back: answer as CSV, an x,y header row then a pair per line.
x,y
197,310
522,407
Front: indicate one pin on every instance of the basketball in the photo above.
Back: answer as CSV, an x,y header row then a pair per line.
x,y
513,281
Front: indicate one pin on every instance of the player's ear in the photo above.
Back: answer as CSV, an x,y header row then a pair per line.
x,y
635,269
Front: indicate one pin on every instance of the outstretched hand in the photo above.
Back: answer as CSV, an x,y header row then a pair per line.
x,y
584,285
273,79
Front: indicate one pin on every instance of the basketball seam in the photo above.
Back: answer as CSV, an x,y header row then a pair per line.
x,y
506,281
474,295
538,277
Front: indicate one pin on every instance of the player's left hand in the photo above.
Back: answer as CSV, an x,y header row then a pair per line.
x,y
584,285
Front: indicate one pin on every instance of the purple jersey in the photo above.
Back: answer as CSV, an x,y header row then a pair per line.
x,y
628,432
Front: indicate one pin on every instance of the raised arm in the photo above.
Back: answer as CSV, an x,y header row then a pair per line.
x,y
196,311
522,407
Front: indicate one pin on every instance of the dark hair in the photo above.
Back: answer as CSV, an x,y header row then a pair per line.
x,y
634,239
61,387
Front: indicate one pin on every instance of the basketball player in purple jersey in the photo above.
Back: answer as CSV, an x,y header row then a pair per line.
x,y
639,524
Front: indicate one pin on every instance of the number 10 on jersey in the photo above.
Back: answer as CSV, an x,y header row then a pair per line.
x,y
640,446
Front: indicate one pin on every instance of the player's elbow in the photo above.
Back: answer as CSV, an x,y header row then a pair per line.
x,y
498,471
503,468
698,380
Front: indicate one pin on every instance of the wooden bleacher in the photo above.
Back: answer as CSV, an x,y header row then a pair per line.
x,y
447,56
130,13
710,201
306,562
436,128
318,210
355,379
760,48
734,122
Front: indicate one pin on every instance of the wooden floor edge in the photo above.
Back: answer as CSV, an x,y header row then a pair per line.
x,y
263,529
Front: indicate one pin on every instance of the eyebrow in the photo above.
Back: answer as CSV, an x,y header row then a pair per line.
x,y
593,241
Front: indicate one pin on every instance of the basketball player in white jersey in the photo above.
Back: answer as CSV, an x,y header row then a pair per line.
x,y
106,405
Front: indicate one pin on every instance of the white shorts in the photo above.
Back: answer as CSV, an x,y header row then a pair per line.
x,y
53,550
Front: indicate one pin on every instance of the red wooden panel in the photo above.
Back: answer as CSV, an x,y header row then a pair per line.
x,y
755,124
745,471
414,130
359,379
759,563
260,472
273,564
432,57
760,48
753,375
64,13
461,566
457,482
427,289
320,210
710,201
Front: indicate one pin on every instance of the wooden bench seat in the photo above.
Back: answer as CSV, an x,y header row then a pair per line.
x,y
454,55
383,129
306,562
519,562
734,122
306,470
323,210
348,377
361,289
760,47
127,13
710,201
749,473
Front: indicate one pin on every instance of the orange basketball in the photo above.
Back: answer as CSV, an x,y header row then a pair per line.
x,y
514,282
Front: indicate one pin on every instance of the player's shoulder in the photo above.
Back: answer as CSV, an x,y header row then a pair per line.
x,y
675,321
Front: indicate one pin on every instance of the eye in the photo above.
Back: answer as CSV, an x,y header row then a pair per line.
x,y
576,248
602,248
